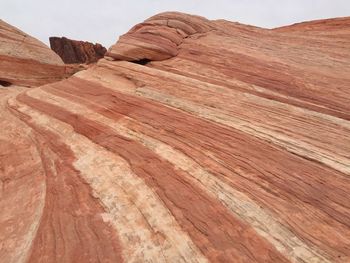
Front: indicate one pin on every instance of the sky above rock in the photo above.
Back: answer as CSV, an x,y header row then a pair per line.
x,y
104,21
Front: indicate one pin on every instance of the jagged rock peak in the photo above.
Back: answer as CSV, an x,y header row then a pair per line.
x,y
74,51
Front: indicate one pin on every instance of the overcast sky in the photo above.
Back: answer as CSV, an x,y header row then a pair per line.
x,y
104,20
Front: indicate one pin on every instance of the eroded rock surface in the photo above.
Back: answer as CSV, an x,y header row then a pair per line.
x,y
26,61
231,145
73,51
158,37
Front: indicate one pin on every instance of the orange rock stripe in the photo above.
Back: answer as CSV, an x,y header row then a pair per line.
x,y
40,73
277,83
185,125
332,209
238,203
133,209
22,185
275,76
286,126
215,231
71,228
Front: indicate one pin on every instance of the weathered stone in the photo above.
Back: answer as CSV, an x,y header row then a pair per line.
x,y
26,61
73,51
222,143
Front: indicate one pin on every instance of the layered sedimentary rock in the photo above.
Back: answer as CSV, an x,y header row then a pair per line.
x,y
73,51
158,38
231,145
26,61
321,27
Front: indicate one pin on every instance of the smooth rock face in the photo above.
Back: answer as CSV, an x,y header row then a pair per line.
x,y
26,61
73,51
234,149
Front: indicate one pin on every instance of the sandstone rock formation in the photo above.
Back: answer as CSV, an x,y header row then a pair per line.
x,y
26,61
158,38
231,145
73,51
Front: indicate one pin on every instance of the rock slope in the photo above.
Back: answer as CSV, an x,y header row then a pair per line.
x,y
26,61
229,143
73,51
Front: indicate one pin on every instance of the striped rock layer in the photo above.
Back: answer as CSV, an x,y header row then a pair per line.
x,y
26,61
232,144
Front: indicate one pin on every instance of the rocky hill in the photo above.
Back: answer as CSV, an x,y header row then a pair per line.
x,y
73,51
26,61
190,141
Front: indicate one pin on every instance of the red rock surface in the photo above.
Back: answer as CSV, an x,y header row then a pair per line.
x,y
73,51
26,61
158,38
231,145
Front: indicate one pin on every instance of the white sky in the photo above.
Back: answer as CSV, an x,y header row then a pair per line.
x,y
104,20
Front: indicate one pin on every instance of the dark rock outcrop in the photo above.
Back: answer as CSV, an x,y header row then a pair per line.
x,y
73,51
